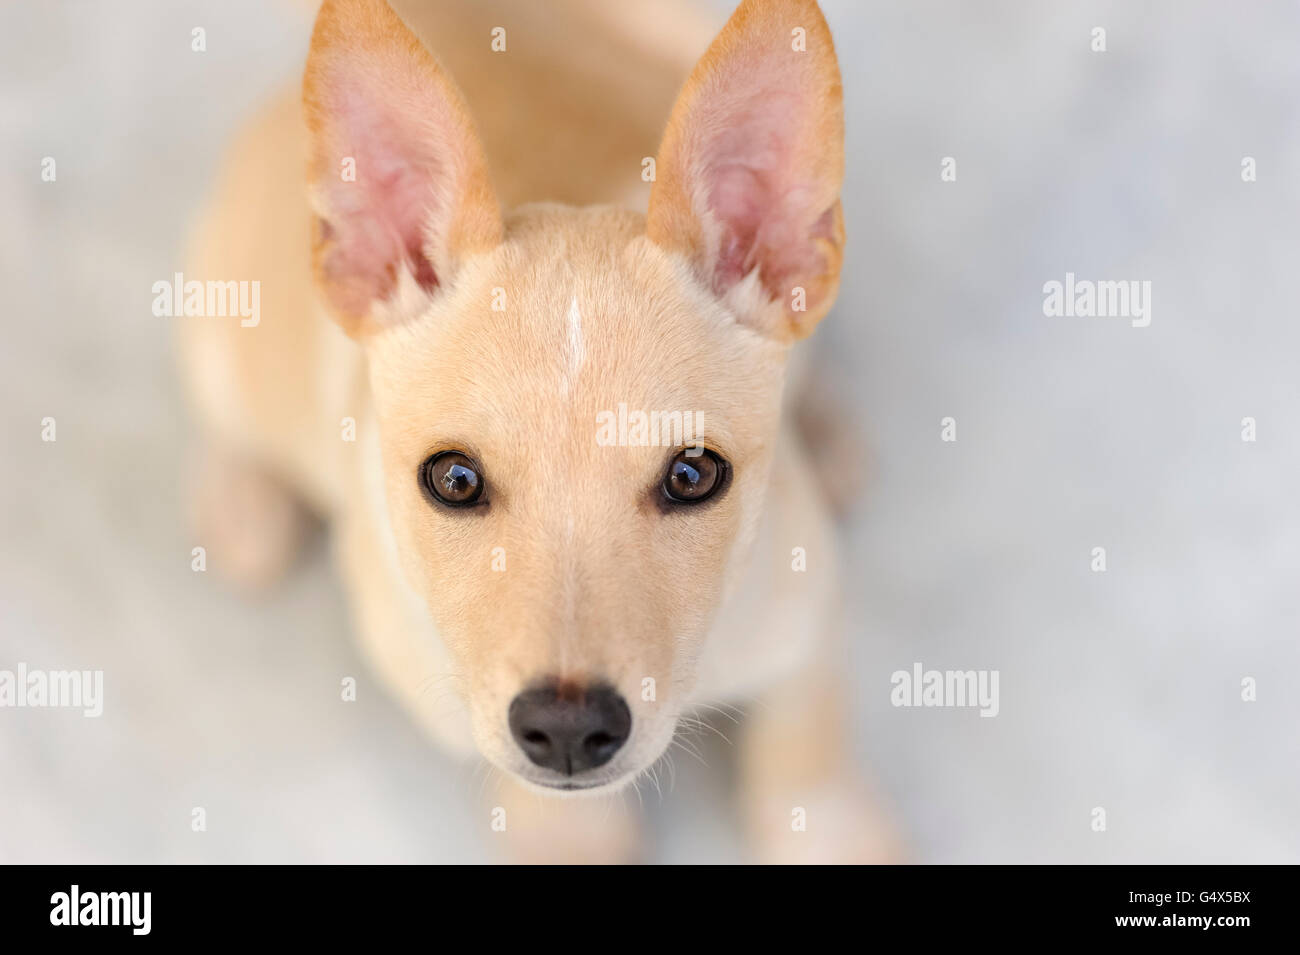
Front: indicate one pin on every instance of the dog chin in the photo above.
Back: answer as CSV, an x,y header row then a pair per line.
x,y
562,787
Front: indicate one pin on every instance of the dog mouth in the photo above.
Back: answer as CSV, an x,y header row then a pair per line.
x,y
573,786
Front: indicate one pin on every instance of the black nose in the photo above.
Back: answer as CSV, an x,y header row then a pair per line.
x,y
569,729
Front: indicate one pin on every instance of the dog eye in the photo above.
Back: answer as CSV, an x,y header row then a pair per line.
x,y
693,477
452,478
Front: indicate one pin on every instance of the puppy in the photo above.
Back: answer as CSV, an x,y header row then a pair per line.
x,y
568,507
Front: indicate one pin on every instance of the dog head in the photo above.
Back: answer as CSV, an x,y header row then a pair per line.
x,y
577,407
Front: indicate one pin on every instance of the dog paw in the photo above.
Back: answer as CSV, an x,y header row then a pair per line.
x,y
249,522
834,823
534,829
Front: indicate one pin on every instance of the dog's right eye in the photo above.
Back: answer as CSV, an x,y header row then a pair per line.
x,y
452,478
694,476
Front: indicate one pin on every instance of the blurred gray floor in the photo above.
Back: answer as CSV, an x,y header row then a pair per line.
x,y
1118,690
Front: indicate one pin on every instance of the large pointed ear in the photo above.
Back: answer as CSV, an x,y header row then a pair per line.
x,y
398,175
748,176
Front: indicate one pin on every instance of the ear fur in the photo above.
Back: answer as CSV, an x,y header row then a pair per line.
x,y
398,175
750,168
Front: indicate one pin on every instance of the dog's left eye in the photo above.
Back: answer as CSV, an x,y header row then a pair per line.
x,y
694,477
452,478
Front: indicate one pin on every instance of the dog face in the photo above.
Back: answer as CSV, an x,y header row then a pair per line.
x,y
577,407
550,547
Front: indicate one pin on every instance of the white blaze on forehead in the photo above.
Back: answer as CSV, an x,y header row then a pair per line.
x,y
574,353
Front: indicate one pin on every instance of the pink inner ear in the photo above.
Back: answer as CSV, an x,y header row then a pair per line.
x,y
377,224
752,174
760,206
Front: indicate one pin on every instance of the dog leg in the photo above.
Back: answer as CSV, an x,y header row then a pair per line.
x,y
801,797
250,523
538,829
828,430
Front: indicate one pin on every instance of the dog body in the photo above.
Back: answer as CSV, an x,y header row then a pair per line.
x,y
503,340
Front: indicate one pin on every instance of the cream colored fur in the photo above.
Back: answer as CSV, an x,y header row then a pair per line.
x,y
598,582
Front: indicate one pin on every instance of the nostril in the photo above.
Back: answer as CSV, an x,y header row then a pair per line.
x,y
537,738
597,742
